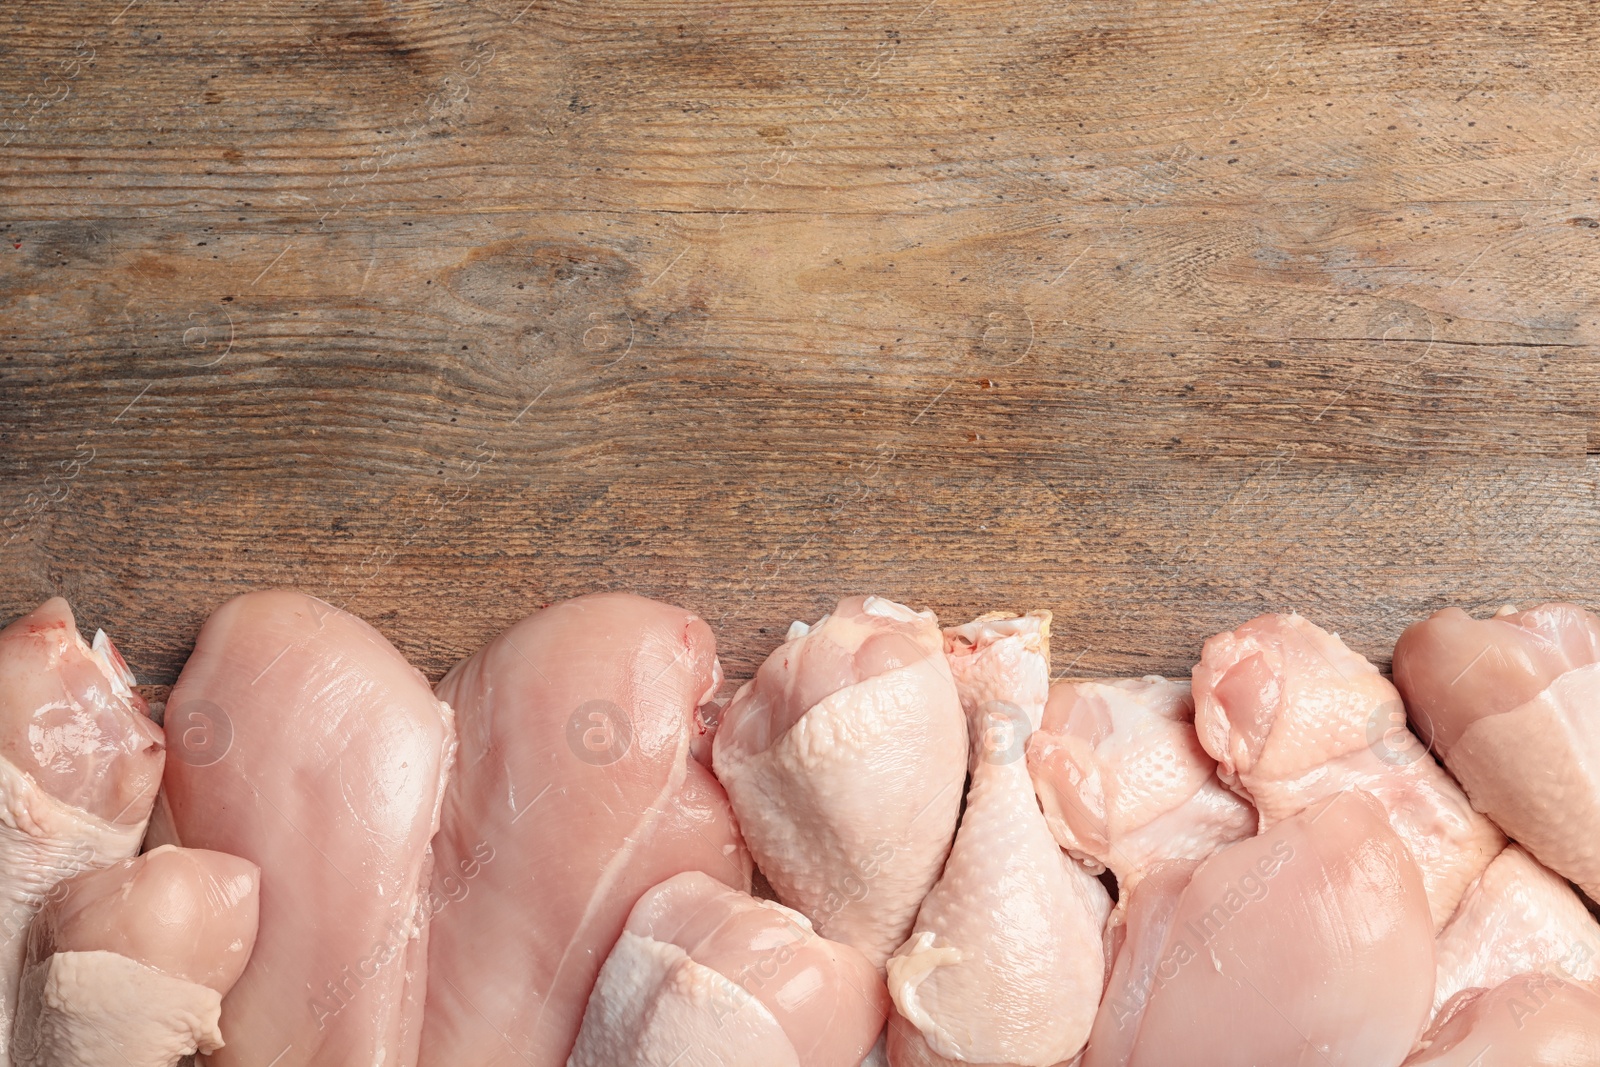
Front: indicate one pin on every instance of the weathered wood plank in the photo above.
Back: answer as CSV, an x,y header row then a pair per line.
x,y
1156,314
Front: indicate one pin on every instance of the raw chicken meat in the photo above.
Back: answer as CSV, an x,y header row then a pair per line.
x,y
577,792
304,743
707,976
844,758
1307,946
1124,781
1512,706
1005,963
1292,716
1532,1020
80,763
1519,917
127,966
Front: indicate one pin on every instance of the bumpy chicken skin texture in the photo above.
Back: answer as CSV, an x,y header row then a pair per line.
x,y
844,759
1124,781
80,763
127,966
1005,961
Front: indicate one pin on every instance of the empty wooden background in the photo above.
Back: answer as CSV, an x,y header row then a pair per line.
x,y
1158,314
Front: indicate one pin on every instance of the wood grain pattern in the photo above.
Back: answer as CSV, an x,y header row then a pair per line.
x,y
1156,314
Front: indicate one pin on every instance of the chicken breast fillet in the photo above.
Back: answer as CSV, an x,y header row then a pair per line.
x,y
577,792
1309,945
80,763
707,976
1293,716
844,758
304,743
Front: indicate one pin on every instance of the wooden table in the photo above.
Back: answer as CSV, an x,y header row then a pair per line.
x,y
1157,314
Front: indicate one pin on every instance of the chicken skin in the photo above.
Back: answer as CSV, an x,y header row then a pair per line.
x,y
708,976
127,966
1512,706
1532,1020
1005,962
1124,781
844,758
1519,917
1293,716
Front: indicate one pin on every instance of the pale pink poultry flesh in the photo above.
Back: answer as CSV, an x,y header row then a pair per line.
x,y
1309,945
1292,716
708,976
1004,964
1512,706
1532,1020
127,966
845,758
80,763
304,743
1124,781
577,791
1519,917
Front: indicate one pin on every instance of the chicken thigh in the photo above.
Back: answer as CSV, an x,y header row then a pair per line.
x,y
1005,962
576,793
1532,1020
80,763
1512,706
707,976
844,758
1292,716
1309,945
1519,917
127,966
1124,781
304,743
